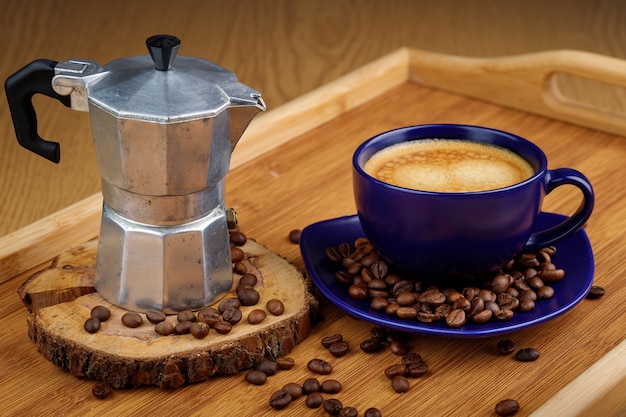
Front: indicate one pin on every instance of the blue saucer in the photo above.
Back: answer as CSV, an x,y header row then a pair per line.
x,y
574,255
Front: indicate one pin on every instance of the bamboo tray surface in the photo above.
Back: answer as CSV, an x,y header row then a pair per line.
x,y
292,168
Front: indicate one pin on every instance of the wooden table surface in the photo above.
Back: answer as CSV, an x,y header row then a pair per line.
x,y
307,179
283,48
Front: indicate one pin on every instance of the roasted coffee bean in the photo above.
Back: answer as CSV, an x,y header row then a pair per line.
x,y
333,255
392,279
373,412
238,238
155,316
223,327
92,325
319,366
280,399
507,407
314,400
358,291
416,370
267,366
380,269
248,296
456,318
232,316
227,303
378,332
354,269
595,292
348,412
545,292
376,284
311,385
530,294
102,390
248,279
275,307
256,316
433,297
343,277
462,303
402,286
209,315
132,320
330,386
371,345
394,370
101,313
406,313
332,406
392,309
500,283
412,357
236,254
397,348
186,315
285,362
256,377
506,346
482,317
199,330
164,328
527,355
240,268
400,384
378,303
294,236
476,306
534,282
550,276
406,298
329,340
183,327
368,260
339,349
295,390
526,304
503,315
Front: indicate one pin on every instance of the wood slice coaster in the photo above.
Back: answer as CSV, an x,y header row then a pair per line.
x,y
61,297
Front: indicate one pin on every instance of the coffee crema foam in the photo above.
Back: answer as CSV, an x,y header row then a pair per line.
x,y
448,165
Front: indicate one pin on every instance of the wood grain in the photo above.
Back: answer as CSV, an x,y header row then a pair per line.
x,y
307,179
283,48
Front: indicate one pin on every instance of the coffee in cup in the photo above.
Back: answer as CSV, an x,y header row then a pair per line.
x,y
448,165
429,228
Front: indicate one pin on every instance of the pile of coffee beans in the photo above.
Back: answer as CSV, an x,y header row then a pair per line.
x,y
515,288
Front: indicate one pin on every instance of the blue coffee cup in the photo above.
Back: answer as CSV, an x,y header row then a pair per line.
x,y
441,235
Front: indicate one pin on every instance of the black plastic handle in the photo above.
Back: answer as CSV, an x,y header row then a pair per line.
x,y
34,78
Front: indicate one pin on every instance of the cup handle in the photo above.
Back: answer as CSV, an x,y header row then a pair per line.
x,y
572,224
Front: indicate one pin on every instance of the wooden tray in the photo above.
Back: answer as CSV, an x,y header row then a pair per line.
x,y
292,168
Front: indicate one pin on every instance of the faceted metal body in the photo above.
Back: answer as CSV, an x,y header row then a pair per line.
x,y
163,141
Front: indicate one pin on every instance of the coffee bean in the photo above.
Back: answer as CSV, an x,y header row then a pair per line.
x,y
411,357
275,307
223,327
294,236
285,363
372,412
267,366
199,330
164,328
506,346
240,268
102,313
209,315
132,320
333,255
102,390
503,315
314,400
482,317
527,355
348,412
595,292
311,385
332,406
545,292
416,370
507,407
526,304
232,315
248,279
280,399
551,276
371,345
155,316
92,325
339,349
330,386
186,315
227,303
397,348
456,318
183,327
380,269
319,366
256,316
395,370
248,296
406,313
295,390
238,238
400,384
358,291
256,377
236,254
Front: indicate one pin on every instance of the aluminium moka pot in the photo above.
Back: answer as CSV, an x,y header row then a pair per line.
x,y
164,128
